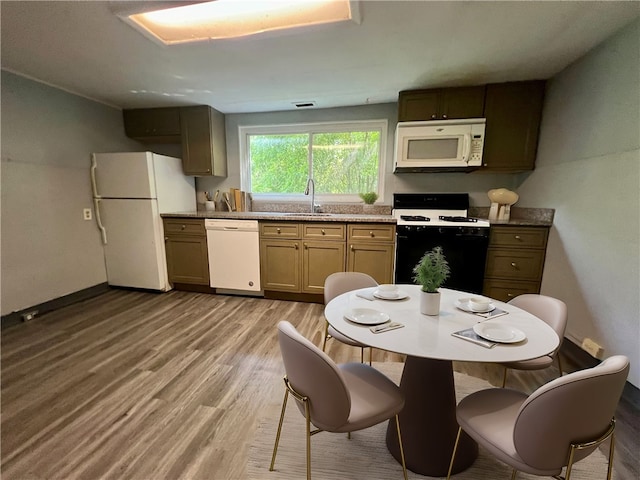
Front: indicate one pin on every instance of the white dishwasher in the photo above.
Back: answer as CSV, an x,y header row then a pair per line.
x,y
234,254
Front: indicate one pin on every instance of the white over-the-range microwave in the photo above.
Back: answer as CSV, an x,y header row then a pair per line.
x,y
448,144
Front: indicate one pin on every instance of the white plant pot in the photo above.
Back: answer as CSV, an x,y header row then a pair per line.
x,y
429,303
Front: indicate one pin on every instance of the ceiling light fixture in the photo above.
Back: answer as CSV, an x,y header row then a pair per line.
x,y
239,18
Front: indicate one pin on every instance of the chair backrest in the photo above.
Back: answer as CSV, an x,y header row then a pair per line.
x,y
550,310
313,374
342,282
577,407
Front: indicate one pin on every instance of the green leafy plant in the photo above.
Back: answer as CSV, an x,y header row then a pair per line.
x,y
432,270
369,197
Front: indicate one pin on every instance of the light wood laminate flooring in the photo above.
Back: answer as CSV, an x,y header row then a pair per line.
x,y
137,385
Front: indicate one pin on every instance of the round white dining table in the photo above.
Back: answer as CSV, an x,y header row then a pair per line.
x,y
428,421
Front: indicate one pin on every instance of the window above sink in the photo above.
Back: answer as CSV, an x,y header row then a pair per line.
x,y
343,159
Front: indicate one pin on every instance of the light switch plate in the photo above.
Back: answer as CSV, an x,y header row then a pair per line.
x,y
86,214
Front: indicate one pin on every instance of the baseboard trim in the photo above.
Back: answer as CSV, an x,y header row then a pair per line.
x,y
15,318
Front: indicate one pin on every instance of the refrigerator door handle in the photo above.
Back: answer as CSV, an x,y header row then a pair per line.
x,y
103,231
94,184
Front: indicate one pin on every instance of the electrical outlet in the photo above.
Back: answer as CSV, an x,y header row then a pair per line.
x,y
29,315
86,214
592,348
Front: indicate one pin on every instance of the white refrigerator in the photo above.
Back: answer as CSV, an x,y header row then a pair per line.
x,y
130,191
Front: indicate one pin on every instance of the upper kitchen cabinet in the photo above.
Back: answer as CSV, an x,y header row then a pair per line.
x,y
153,125
441,104
513,112
204,147
200,129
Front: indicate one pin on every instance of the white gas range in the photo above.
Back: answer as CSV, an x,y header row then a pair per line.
x,y
427,220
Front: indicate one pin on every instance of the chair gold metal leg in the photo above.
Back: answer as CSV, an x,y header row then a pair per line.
x,y
504,377
275,446
559,364
349,435
325,336
308,417
611,448
361,354
567,475
404,466
514,474
453,454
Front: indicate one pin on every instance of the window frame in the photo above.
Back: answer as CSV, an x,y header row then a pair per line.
x,y
309,128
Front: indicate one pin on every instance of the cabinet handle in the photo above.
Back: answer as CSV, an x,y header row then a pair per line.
x,y
295,246
517,237
351,248
166,239
371,234
514,265
444,117
323,232
434,116
510,295
278,230
183,227
306,247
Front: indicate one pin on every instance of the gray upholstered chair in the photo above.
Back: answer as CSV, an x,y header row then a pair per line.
x,y
334,398
554,313
559,424
337,284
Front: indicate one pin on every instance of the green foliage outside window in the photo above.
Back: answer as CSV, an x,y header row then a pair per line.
x,y
341,162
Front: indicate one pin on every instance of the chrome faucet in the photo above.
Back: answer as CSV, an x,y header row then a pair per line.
x,y
311,188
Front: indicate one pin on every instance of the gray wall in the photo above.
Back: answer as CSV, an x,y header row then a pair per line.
x,y
588,170
48,135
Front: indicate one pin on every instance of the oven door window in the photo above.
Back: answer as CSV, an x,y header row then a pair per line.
x,y
465,250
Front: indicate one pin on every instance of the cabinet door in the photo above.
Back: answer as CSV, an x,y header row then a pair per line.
x,y
147,124
418,105
373,259
187,259
462,102
513,112
280,265
319,260
203,141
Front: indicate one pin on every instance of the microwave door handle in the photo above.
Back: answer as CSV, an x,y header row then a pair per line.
x,y
466,147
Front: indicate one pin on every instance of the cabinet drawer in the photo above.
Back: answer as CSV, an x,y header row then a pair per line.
x,y
371,232
333,231
505,290
280,230
184,227
521,237
516,264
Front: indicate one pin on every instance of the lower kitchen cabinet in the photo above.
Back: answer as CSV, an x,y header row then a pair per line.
x,y
186,251
515,261
280,265
319,260
371,250
297,258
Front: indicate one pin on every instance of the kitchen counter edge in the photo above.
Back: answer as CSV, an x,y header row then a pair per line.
x,y
277,216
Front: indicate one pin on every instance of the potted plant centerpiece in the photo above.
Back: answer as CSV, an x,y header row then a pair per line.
x,y
431,272
369,199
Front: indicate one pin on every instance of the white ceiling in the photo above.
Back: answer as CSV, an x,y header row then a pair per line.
x,y
84,48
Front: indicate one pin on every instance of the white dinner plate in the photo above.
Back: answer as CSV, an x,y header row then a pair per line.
x,y
366,316
463,304
398,295
499,332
